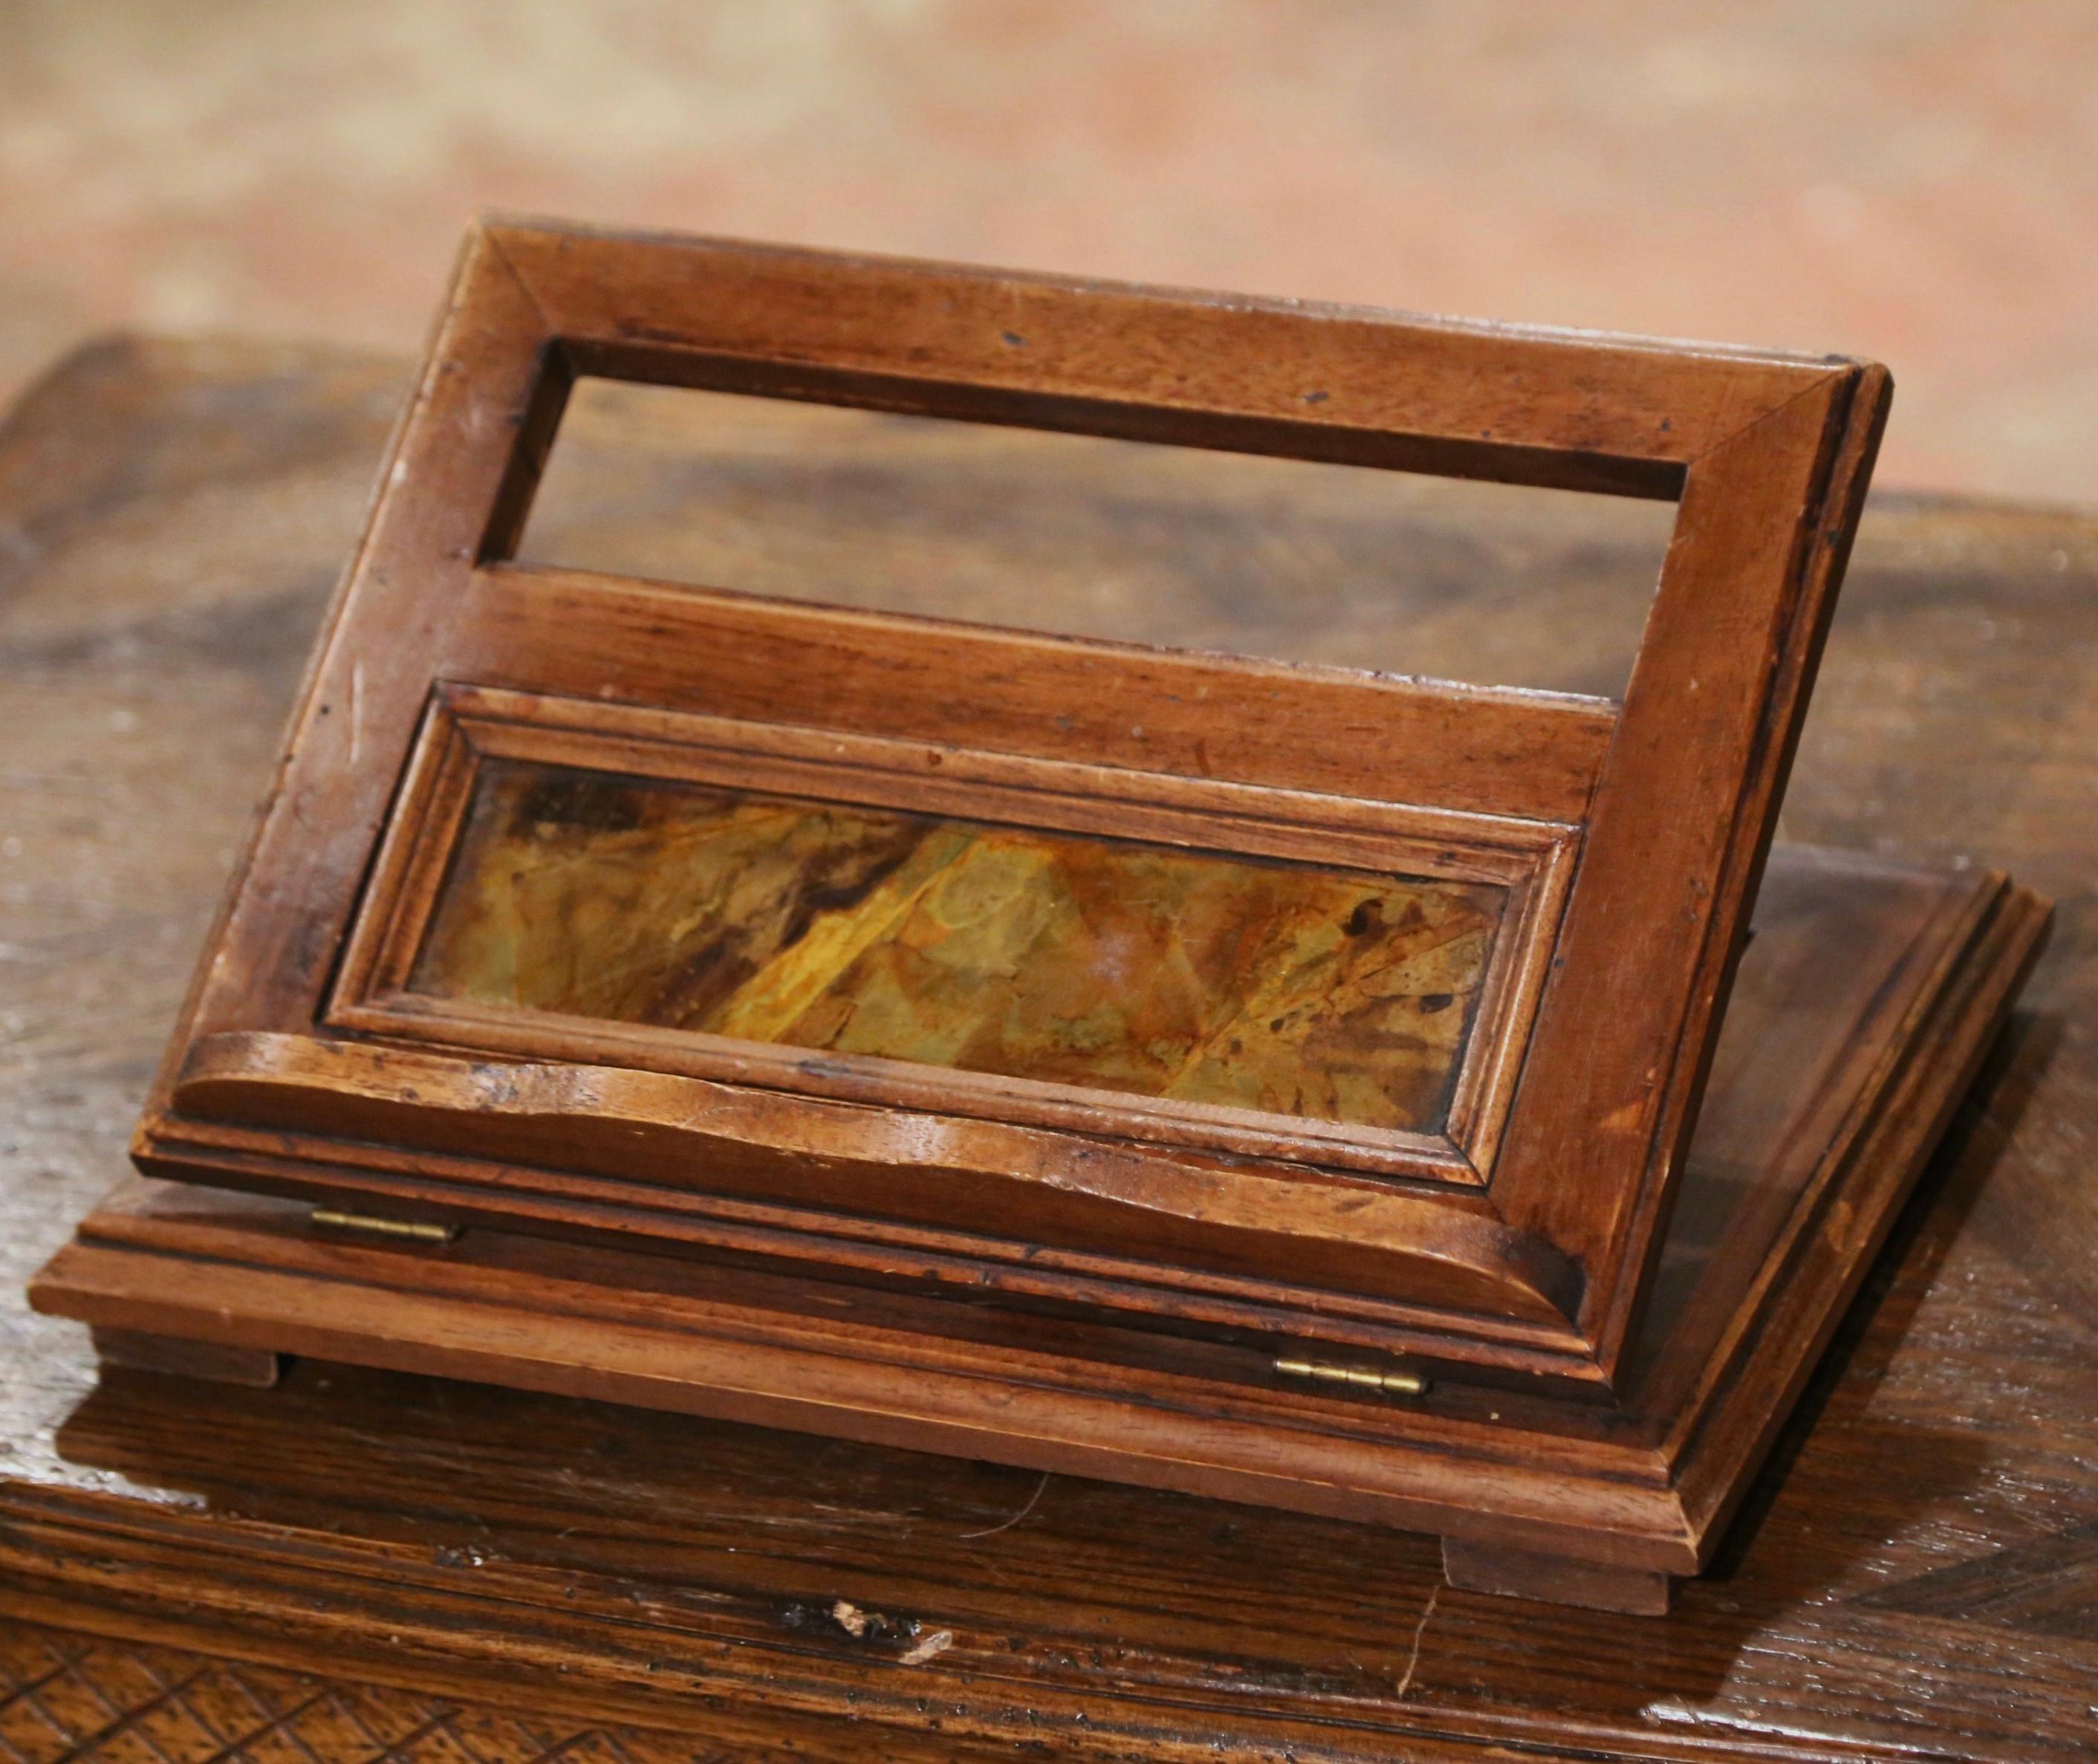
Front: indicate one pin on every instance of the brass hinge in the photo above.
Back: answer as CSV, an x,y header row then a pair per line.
x,y
421,1231
1356,1377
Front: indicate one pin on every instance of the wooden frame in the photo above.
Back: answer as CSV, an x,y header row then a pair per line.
x,y
1864,1007
373,994
1526,1319
1632,835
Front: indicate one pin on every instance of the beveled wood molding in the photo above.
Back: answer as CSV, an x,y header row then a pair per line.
x,y
1643,825
1859,1012
671,1131
1530,861
1552,1496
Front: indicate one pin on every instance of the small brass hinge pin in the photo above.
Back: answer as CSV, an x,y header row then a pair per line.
x,y
1356,1377
421,1230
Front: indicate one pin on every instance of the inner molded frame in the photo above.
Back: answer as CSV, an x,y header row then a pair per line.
x,y
1671,796
1516,871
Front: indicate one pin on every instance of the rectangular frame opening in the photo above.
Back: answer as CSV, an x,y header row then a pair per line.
x,y
1180,546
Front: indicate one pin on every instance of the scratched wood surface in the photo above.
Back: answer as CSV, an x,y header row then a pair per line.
x,y
68,1698
1917,1574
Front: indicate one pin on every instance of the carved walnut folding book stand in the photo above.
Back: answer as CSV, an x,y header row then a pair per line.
x,y
1268,1082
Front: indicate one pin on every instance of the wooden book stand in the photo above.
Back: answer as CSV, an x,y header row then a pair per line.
x,y
1275,1082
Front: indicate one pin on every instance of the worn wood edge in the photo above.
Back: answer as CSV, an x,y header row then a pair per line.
x,y
924,334
618,1121
1822,1259
443,1645
429,442
895,1336
1856,423
1202,1131
595,1211
513,230
97,1279
392,1314
1518,754
428,373
1664,890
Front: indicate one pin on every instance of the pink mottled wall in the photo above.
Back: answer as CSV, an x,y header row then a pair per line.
x,y
1916,179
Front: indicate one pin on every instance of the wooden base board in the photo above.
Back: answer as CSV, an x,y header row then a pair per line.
x,y
257,1368
1788,1199
1555,1579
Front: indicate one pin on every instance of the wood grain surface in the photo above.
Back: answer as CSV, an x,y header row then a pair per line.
x,y
1766,456
1913,1576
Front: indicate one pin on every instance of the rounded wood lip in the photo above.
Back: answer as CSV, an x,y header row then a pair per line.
x,y
921,1169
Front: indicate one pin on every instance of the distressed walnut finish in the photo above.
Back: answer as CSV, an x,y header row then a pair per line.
x,y
1912,1576
871,1146
1667,799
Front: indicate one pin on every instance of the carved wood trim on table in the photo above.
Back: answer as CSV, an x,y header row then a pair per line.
x,y
70,1698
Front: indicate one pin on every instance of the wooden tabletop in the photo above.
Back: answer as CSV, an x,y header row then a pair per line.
x,y
356,1564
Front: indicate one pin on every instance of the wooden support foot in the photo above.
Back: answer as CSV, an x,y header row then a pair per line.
x,y
256,1367
1555,1579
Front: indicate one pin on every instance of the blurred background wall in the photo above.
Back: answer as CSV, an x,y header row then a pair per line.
x,y
1912,179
